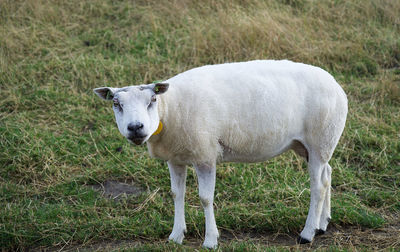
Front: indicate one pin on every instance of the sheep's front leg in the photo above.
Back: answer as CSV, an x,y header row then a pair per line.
x,y
206,177
178,183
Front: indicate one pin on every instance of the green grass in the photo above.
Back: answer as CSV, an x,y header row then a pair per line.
x,y
57,137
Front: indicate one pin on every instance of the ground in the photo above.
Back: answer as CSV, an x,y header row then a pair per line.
x,y
338,237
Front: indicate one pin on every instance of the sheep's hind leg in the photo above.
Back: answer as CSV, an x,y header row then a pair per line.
x,y
318,171
178,181
326,209
206,177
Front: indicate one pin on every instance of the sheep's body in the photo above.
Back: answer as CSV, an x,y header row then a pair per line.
x,y
241,112
249,112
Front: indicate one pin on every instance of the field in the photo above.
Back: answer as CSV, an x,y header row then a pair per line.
x,y
59,145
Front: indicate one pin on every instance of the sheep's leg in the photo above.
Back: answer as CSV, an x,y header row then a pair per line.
x,y
326,209
206,178
178,181
319,184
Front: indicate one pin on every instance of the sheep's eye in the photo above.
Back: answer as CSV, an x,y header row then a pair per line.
x,y
153,99
117,104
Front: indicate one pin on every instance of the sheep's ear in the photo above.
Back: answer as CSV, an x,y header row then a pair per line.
x,y
160,88
105,93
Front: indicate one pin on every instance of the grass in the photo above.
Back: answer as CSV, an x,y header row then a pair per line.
x,y
56,137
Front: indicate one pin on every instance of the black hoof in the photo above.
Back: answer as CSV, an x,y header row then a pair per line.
x,y
319,232
301,240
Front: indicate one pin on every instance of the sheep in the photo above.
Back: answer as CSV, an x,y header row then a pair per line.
x,y
236,112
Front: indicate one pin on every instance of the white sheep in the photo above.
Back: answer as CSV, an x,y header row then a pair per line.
x,y
236,112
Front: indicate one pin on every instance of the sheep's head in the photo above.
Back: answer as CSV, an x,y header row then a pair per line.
x,y
135,109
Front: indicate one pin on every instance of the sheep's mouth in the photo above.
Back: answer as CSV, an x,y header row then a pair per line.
x,y
137,140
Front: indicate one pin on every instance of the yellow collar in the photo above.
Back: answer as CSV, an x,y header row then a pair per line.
x,y
159,129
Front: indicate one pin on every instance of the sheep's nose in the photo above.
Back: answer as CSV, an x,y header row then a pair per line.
x,y
134,127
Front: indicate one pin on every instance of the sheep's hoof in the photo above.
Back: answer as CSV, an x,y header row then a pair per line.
x,y
176,237
301,240
208,244
319,232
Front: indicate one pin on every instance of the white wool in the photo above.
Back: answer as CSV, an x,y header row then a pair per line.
x,y
255,109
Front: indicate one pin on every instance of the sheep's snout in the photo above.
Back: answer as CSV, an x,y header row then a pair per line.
x,y
135,127
136,133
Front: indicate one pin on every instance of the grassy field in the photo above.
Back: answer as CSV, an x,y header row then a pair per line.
x,y
58,140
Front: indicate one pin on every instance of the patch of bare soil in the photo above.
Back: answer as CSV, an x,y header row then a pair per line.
x,y
115,189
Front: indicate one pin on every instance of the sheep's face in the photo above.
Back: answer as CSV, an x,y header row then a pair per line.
x,y
135,109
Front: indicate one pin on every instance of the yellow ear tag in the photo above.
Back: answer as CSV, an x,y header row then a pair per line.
x,y
159,129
